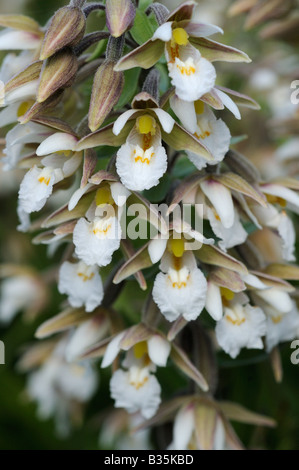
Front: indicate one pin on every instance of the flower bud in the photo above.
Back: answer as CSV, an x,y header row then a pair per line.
x,y
66,29
106,90
57,72
120,16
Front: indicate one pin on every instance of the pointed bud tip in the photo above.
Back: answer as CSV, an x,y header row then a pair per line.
x,y
66,29
120,16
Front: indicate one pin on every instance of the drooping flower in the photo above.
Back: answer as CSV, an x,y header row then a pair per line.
x,y
97,238
56,384
212,132
136,389
82,284
180,289
191,74
281,326
35,189
184,431
20,292
242,326
142,160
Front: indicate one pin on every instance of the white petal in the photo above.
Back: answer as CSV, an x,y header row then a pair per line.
x,y
158,350
202,30
228,103
36,187
214,135
85,336
166,121
77,196
241,327
82,284
174,299
94,246
122,120
278,299
230,237
112,350
71,164
156,249
18,40
253,281
9,115
185,111
146,398
163,32
183,428
193,77
17,293
281,328
220,435
221,199
23,92
280,191
57,142
119,194
214,301
287,233
138,175
24,219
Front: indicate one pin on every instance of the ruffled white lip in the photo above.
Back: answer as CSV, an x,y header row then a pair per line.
x,y
82,284
191,75
139,165
180,290
95,242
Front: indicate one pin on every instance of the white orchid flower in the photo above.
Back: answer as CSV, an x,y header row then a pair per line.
x,y
242,326
17,293
57,383
99,237
136,389
82,284
180,289
190,73
142,160
184,430
212,132
281,326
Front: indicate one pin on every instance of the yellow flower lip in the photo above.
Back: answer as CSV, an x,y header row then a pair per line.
x,y
227,293
140,349
146,124
180,36
103,196
23,108
199,106
177,246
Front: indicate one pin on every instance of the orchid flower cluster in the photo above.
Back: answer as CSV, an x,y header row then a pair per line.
x,y
223,286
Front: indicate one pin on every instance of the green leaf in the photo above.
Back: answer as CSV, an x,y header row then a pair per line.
x,y
144,27
130,88
158,193
182,168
